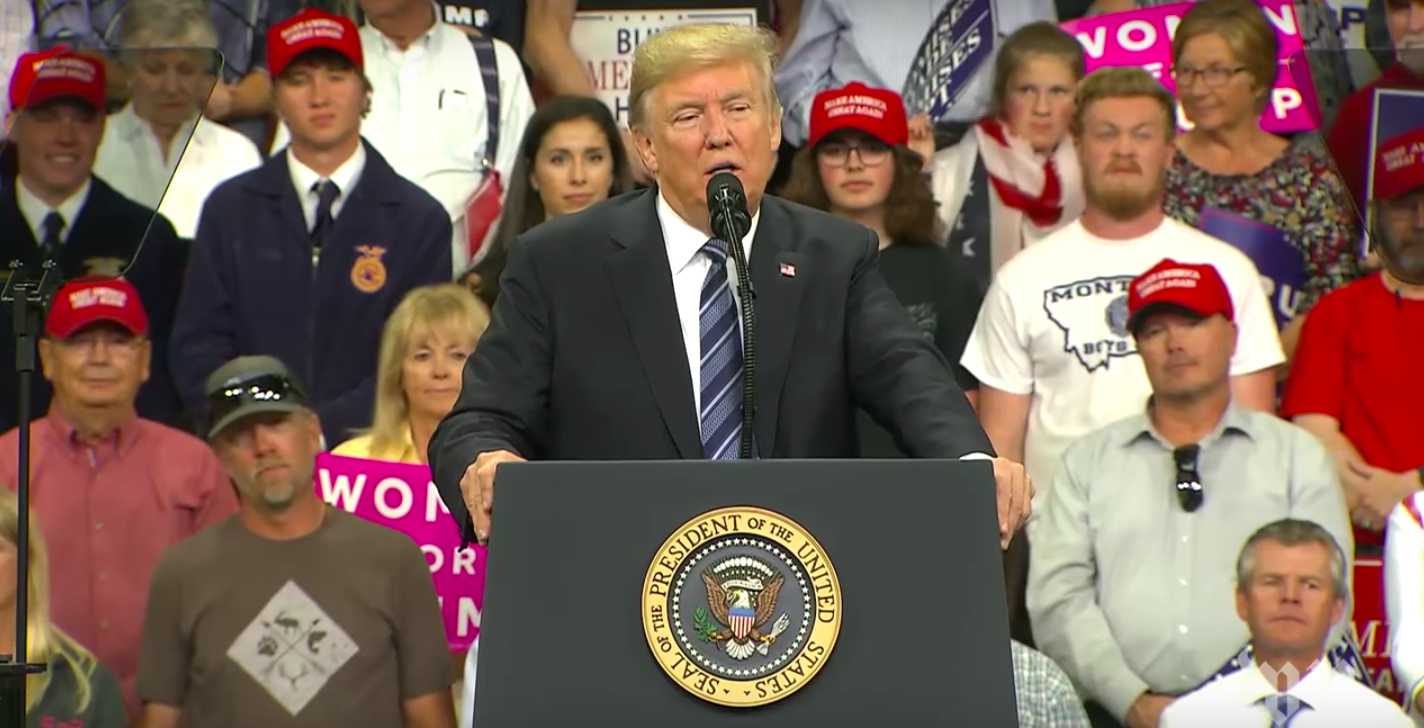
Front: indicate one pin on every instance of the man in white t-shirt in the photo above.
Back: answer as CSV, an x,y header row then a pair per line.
x,y
1291,590
1051,347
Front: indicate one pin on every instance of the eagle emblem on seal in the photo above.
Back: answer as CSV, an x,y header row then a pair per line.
x,y
741,596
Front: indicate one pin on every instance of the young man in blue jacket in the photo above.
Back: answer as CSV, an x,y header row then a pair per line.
x,y
304,257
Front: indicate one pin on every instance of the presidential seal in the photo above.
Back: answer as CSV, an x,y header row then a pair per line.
x,y
741,607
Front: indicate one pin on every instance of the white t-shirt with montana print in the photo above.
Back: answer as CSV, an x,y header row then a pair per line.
x,y
1054,325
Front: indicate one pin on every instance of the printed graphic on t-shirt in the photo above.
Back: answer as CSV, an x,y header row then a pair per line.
x,y
1093,316
292,648
926,317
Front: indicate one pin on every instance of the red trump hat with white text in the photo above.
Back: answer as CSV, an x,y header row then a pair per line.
x,y
876,111
1196,288
57,73
88,301
309,30
1399,165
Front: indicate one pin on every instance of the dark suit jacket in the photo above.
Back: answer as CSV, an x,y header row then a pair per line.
x,y
113,229
584,359
251,288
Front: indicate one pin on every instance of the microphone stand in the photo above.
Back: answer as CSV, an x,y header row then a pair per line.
x,y
730,219
28,303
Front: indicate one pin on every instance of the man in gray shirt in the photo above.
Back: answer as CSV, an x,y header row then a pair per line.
x,y
1131,575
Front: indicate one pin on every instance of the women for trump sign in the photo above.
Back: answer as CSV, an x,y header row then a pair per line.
x,y
401,497
1144,38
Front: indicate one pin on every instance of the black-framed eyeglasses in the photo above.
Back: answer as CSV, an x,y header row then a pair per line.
x,y
1189,486
257,390
1214,76
837,154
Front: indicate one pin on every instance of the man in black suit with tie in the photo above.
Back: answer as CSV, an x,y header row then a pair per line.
x,y
616,336
55,203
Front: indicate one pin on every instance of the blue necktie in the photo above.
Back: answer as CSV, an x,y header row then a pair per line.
x,y
721,360
1283,708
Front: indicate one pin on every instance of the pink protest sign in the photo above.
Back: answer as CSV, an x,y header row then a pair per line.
x,y
401,496
1144,38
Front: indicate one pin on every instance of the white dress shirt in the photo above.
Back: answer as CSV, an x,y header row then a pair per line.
x,y
129,159
35,210
304,179
428,115
689,267
1404,597
1326,699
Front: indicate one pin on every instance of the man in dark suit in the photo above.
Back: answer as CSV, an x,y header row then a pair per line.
x,y
54,202
615,336
305,257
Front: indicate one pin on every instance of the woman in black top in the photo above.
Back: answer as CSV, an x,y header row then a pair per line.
x,y
75,689
857,165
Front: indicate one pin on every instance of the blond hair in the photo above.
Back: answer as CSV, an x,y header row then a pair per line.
x,y
1124,82
1041,39
441,307
682,48
1242,24
46,642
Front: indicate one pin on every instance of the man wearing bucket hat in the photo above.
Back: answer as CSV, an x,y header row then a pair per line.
x,y
383,658
57,209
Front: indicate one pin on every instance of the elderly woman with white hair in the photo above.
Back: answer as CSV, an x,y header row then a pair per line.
x,y
169,49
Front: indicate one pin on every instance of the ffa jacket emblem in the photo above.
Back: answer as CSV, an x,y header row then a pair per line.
x,y
368,274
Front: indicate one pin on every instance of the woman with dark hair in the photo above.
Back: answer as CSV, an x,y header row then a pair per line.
x,y
857,164
572,156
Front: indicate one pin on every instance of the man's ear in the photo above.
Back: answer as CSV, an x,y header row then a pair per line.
x,y
644,144
47,357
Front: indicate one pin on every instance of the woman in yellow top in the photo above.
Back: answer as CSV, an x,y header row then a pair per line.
x,y
424,346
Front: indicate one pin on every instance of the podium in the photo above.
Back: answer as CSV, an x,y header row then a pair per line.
x,y
745,593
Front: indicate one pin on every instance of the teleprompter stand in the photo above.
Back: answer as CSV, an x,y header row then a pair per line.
x,y
28,301
575,558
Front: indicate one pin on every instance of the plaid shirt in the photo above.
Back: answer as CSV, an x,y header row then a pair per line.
x,y
1046,697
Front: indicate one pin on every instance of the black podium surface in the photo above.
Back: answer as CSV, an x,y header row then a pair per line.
x,y
921,631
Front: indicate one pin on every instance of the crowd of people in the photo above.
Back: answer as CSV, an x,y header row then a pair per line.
x,y
295,244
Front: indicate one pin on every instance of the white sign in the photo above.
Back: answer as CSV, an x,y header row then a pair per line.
x,y
605,41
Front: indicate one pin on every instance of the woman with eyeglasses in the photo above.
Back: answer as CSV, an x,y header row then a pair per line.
x,y
1014,178
1225,65
75,690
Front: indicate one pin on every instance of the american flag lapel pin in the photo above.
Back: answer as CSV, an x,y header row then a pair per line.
x,y
788,270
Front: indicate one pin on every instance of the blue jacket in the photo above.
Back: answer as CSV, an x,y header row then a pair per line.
x,y
251,289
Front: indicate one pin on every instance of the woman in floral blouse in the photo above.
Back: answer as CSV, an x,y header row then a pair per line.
x,y
1225,64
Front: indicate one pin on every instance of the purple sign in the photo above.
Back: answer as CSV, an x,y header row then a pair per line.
x,y
401,496
1143,38
1281,265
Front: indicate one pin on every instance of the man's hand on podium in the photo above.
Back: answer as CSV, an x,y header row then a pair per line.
x,y
477,487
1015,495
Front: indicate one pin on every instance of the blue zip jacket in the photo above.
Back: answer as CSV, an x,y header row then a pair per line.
x,y
251,289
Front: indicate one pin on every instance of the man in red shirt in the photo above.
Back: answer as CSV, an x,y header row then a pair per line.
x,y
1361,342
111,491
1349,139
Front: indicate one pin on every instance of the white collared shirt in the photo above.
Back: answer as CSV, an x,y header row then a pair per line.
x,y
129,159
304,179
36,210
428,114
1235,701
1404,597
689,269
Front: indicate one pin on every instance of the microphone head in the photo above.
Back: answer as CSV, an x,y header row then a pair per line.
x,y
727,207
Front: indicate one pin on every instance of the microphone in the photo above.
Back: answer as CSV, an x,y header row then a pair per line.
x,y
730,221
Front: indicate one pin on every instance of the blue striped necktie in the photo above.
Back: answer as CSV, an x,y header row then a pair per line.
x,y
721,360
1283,708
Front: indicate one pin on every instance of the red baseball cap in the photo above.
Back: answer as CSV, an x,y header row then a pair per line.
x,y
56,73
309,30
84,302
876,111
1399,165
1196,288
